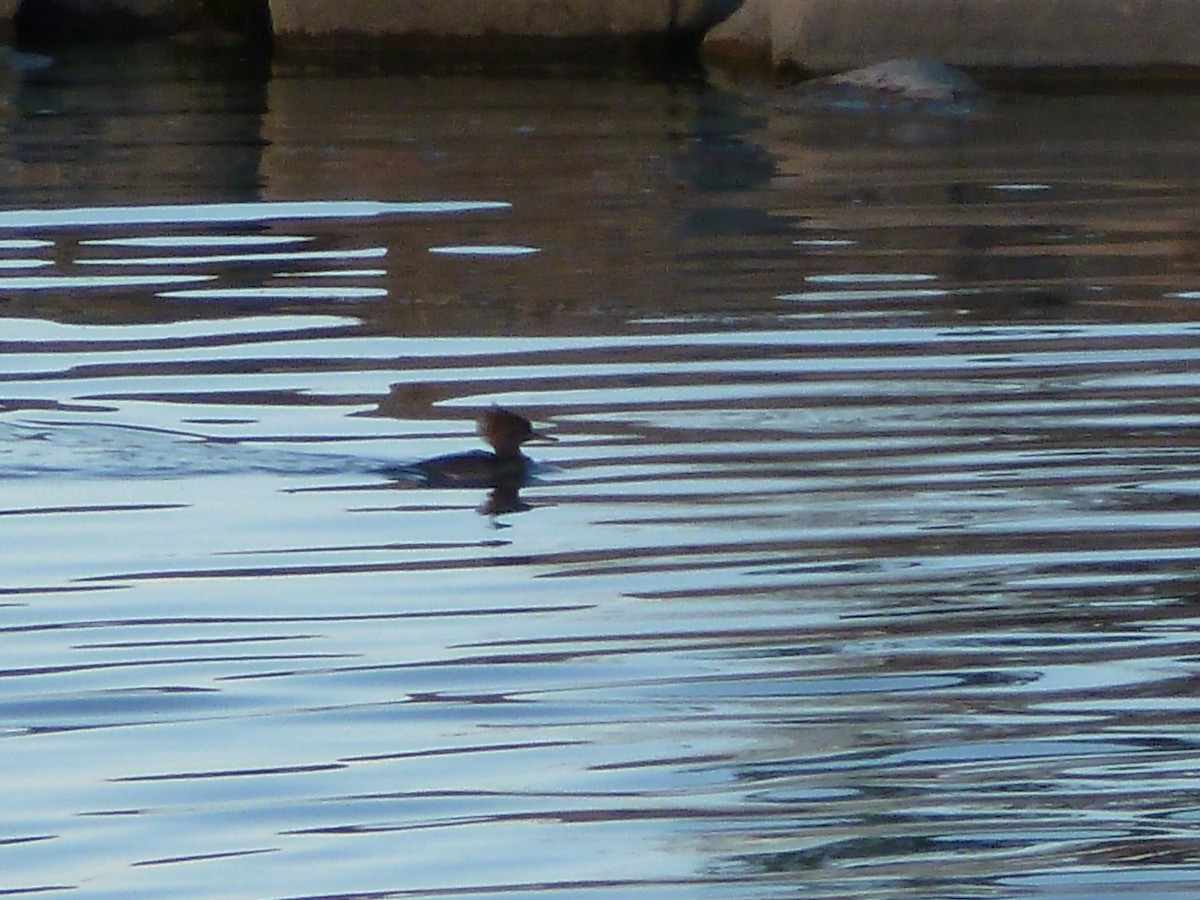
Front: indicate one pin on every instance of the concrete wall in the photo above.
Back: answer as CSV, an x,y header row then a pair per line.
x,y
833,35
475,18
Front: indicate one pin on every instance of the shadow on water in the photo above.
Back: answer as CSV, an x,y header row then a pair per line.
x,y
864,563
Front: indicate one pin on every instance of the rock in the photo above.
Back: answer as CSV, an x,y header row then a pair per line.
x,y
909,79
896,85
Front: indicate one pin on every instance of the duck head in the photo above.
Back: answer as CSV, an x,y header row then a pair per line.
x,y
505,431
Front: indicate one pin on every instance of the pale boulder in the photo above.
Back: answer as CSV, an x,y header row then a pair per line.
x,y
895,85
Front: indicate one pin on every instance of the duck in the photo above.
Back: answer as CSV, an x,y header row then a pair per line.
x,y
504,466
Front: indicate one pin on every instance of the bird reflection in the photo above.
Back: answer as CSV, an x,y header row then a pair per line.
x,y
504,469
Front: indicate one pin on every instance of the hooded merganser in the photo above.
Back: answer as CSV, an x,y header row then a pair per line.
x,y
506,466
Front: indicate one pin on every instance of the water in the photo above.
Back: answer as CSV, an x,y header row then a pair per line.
x,y
864,564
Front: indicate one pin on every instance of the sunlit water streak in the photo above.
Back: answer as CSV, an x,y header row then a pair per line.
x,y
864,564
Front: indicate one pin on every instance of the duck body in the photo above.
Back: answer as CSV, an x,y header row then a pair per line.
x,y
478,468
505,466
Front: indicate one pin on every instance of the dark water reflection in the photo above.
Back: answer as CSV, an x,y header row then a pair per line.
x,y
864,564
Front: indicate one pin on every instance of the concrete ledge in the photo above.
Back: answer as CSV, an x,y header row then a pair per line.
x,y
821,36
495,30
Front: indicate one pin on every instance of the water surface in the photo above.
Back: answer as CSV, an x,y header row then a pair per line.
x,y
864,564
